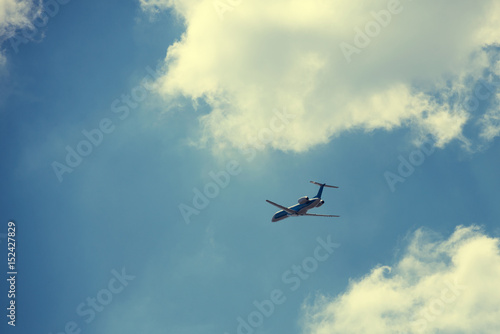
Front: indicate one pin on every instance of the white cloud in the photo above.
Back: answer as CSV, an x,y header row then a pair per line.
x,y
246,58
16,15
438,286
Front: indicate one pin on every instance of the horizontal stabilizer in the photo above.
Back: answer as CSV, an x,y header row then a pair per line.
x,y
312,214
321,184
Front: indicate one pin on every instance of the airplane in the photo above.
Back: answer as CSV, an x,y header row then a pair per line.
x,y
304,204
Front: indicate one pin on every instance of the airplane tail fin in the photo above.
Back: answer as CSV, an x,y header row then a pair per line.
x,y
321,185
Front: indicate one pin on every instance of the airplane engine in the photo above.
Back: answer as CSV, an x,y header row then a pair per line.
x,y
302,200
320,203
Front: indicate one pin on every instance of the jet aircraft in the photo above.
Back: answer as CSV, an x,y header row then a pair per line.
x,y
304,204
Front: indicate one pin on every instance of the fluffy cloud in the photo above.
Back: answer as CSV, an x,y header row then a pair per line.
x,y
15,15
336,65
438,286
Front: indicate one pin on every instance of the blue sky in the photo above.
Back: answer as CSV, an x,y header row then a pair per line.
x,y
225,71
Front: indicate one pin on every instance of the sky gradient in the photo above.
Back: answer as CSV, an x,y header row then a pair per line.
x,y
140,140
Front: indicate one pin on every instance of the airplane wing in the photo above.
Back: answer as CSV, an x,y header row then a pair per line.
x,y
312,214
287,210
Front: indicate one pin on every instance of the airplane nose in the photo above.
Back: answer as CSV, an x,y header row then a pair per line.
x,y
279,216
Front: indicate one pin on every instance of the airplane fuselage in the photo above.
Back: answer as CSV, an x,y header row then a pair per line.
x,y
300,209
